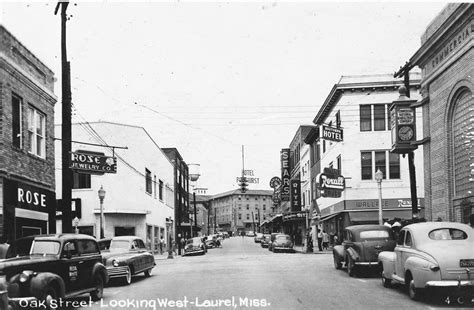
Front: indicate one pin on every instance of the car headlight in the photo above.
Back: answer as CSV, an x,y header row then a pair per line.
x,y
115,262
25,276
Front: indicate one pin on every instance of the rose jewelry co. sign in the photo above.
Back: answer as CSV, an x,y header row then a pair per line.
x,y
93,162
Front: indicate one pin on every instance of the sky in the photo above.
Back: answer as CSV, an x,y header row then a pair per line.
x,y
210,77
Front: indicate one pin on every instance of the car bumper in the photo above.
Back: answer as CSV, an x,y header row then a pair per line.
x,y
117,272
451,284
283,248
186,252
367,263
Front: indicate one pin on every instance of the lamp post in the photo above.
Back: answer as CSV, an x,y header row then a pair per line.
x,y
194,176
101,193
378,178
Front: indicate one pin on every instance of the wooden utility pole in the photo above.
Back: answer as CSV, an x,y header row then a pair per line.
x,y
66,125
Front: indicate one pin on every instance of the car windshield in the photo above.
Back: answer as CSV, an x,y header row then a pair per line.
x,y
447,234
19,248
45,247
374,234
282,238
194,241
119,245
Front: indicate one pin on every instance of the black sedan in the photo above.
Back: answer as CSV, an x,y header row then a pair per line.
x,y
195,246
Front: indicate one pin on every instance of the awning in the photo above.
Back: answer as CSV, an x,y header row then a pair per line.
x,y
328,217
276,217
263,223
373,216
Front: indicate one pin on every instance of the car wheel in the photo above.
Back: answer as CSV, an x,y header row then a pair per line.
x,y
128,276
337,263
49,295
148,272
386,282
350,266
413,292
98,291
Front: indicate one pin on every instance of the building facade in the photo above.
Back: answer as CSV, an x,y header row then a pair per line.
x,y
27,183
446,58
139,197
354,143
238,212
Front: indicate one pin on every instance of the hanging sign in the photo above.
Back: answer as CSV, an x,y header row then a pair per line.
x,y
331,133
93,162
285,175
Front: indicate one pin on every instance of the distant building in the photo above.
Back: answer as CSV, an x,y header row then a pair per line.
x,y
139,197
27,183
234,211
353,143
446,58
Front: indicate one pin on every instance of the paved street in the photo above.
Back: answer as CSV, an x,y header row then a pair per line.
x,y
243,275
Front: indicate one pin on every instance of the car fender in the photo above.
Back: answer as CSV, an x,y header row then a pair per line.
x,y
419,268
338,252
44,279
100,268
387,260
353,254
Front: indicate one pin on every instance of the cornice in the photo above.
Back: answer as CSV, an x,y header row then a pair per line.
x,y
25,78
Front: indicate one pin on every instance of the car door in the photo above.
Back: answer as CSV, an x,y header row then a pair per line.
x,y
145,257
407,251
69,265
89,253
399,250
346,243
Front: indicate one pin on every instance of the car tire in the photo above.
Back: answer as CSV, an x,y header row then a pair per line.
x,y
350,266
386,282
413,292
98,291
127,279
337,263
148,272
49,295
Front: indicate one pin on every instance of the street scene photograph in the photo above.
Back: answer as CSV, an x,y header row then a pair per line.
x,y
184,154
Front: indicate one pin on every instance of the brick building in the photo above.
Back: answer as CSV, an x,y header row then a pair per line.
x,y
27,184
446,57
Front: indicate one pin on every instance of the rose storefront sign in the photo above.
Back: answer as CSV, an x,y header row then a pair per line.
x,y
92,162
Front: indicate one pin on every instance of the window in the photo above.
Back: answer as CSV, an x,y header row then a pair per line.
x,y
36,132
447,234
408,240
248,207
379,117
148,181
248,216
154,185
401,237
160,189
81,180
264,207
365,117
338,119
394,166
380,163
339,163
17,135
366,165
240,216
369,168
87,247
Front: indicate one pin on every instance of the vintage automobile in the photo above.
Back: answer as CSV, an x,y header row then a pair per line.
x,y
265,241
53,267
127,257
258,237
432,255
281,242
213,241
361,245
195,246
104,243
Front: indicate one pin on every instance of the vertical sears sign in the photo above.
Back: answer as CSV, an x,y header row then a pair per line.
x,y
285,174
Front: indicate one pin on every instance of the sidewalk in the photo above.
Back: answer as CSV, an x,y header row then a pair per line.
x,y
302,249
165,256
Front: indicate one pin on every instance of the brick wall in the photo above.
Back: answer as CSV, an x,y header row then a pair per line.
x,y
438,166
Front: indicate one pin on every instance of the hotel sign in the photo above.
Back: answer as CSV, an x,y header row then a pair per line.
x,y
285,175
331,133
93,162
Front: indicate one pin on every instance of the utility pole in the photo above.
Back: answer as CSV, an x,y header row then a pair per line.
x,y
66,124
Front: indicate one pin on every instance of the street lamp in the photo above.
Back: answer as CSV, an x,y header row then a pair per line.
x,y
378,178
101,193
194,176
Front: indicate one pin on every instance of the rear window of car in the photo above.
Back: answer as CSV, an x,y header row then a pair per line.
x,y
119,245
374,234
45,247
447,234
283,237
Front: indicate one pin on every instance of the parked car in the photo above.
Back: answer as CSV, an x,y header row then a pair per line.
x,y
361,245
258,237
432,256
265,241
282,242
127,257
272,238
50,267
213,241
195,246
250,233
